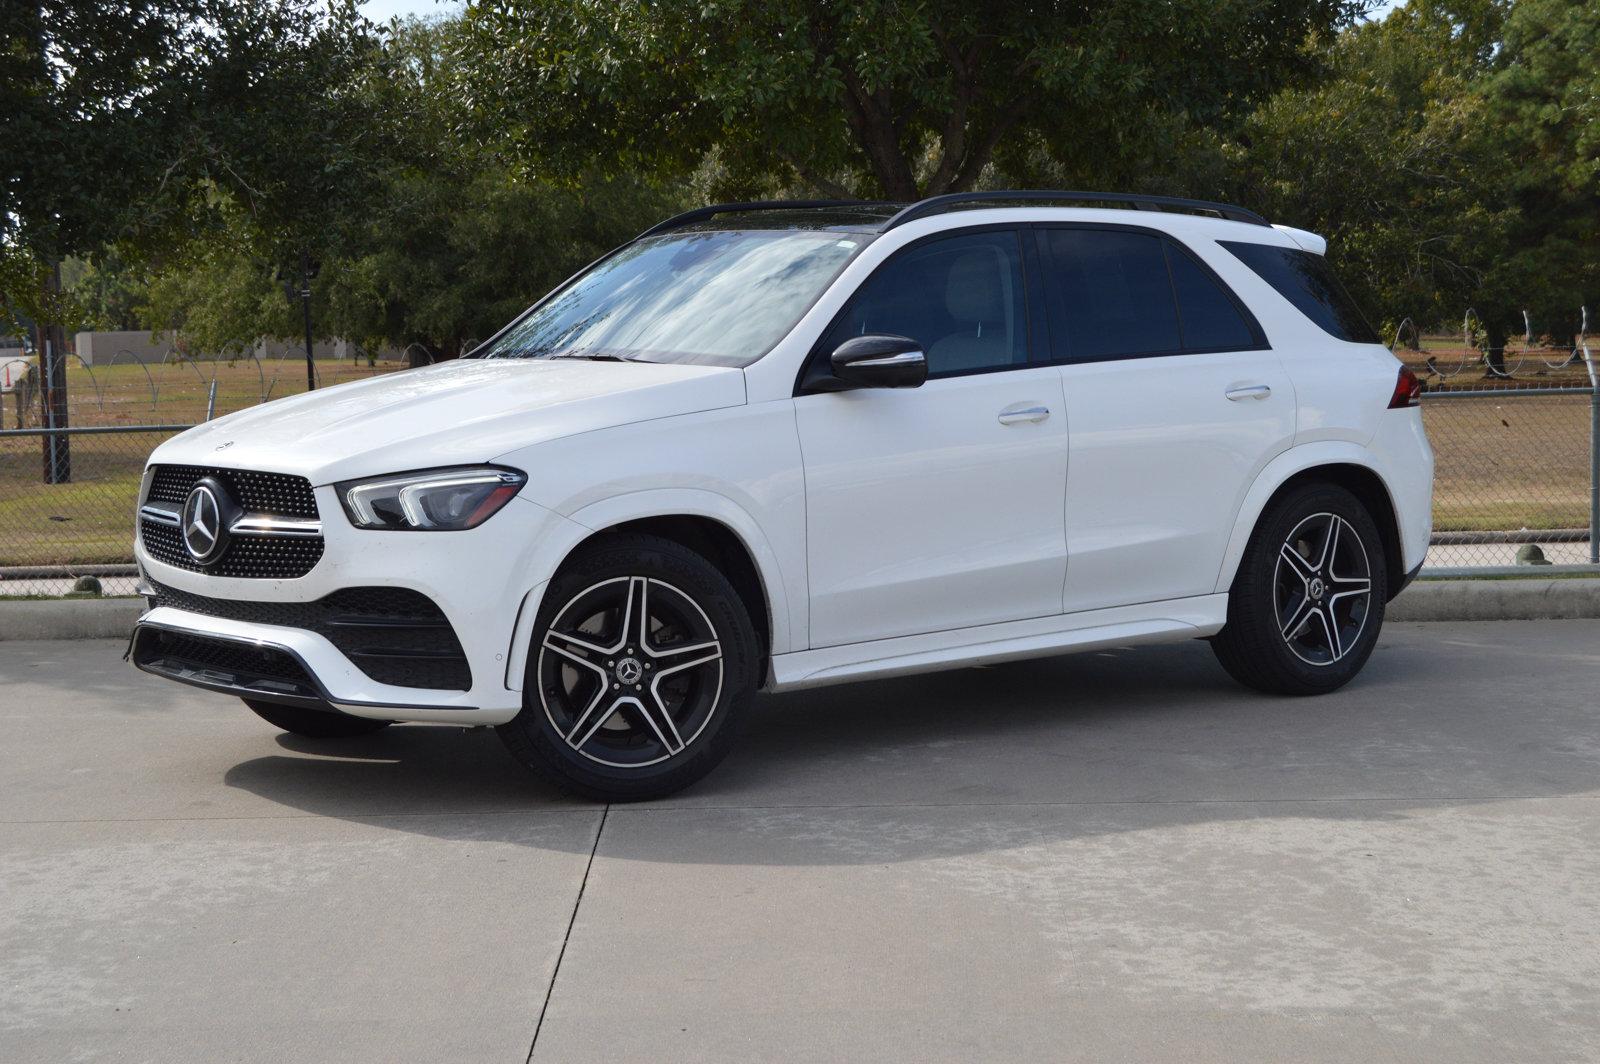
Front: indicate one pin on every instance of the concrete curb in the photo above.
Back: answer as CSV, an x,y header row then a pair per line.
x,y
69,618
1425,600
1497,600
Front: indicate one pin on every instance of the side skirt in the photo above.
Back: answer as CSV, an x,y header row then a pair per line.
x,y
1149,622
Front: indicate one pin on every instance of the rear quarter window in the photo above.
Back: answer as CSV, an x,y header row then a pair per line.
x,y
1305,280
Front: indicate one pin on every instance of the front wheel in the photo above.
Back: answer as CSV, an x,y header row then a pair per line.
x,y
1308,600
641,668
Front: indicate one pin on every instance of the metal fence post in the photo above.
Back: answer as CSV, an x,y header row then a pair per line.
x,y
1594,451
1594,471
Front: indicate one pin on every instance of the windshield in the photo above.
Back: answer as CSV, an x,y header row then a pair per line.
x,y
721,298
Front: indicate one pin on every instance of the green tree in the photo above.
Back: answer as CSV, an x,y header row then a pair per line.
x,y
436,243
124,119
1389,159
1542,110
875,96
1449,155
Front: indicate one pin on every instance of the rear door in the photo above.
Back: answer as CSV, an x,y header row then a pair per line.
x,y
1174,403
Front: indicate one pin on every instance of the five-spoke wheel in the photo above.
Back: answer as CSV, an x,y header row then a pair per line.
x,y
630,671
1322,589
643,659
1307,602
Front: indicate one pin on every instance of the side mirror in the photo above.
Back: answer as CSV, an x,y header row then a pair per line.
x,y
879,361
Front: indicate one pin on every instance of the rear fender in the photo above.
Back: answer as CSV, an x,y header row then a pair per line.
x,y
1278,472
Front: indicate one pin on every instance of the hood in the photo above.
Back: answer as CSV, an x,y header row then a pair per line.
x,y
454,413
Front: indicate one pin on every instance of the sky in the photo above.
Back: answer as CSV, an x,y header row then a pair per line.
x,y
384,10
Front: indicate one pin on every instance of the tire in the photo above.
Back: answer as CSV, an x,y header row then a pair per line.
x,y
314,723
581,726
1304,627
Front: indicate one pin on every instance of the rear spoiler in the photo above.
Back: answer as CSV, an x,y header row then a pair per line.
x,y
1317,245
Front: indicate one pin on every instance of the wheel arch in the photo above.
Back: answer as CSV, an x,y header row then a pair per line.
x,y
718,544
1346,466
705,522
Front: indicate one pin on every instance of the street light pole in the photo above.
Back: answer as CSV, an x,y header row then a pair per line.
x,y
305,307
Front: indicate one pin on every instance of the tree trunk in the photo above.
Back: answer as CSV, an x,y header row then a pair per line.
x,y
1495,352
51,343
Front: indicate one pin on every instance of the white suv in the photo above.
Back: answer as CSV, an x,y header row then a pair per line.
x,y
777,445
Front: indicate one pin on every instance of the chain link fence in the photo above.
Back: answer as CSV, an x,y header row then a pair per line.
x,y
68,495
1516,444
1515,476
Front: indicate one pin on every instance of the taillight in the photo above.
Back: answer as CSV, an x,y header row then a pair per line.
x,y
1407,390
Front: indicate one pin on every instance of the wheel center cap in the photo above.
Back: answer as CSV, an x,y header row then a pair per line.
x,y
629,671
1315,589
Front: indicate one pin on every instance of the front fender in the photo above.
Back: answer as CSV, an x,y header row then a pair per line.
x,y
638,505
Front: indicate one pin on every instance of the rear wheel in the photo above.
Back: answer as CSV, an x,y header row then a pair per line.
x,y
643,663
1308,600
314,723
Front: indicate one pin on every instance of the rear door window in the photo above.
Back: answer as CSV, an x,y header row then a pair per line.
x,y
1109,294
1123,293
1305,280
1208,314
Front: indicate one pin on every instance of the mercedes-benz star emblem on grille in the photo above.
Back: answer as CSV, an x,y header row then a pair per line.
x,y
202,523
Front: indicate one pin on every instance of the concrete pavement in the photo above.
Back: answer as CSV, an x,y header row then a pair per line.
x,y
1112,857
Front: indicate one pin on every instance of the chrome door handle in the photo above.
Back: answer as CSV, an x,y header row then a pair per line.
x,y
1250,391
1017,415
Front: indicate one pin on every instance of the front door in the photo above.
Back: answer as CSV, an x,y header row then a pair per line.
x,y
938,507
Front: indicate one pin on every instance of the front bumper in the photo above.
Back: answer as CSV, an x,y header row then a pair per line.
x,y
481,580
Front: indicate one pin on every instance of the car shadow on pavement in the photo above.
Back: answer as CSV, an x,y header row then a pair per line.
x,y
1033,751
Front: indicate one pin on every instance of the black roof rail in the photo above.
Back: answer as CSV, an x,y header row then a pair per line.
x,y
699,214
939,204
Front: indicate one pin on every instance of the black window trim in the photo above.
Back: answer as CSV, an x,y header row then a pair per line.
x,y
1259,335
1038,348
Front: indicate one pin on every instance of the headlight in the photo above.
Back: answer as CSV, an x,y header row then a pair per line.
x,y
434,500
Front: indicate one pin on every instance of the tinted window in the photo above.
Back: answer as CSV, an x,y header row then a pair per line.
x,y
719,298
1306,281
1208,317
1110,293
960,297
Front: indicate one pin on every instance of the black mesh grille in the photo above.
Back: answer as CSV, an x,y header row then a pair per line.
x,y
392,634
255,492
223,663
248,557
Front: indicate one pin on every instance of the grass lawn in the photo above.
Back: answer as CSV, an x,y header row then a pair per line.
x,y
90,520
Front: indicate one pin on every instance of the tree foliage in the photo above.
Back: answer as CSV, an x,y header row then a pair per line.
x,y
874,96
1445,160
436,242
128,121
446,173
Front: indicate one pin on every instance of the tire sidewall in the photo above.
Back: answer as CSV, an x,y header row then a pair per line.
x,y
1273,532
